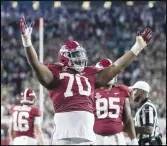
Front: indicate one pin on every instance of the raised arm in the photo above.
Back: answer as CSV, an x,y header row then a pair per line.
x,y
43,74
120,64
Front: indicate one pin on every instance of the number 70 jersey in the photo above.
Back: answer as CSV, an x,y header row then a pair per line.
x,y
108,110
74,91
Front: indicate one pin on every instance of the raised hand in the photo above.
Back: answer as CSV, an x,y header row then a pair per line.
x,y
147,35
142,39
26,32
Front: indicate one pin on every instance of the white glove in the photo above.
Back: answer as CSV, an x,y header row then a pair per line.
x,y
141,41
26,32
134,142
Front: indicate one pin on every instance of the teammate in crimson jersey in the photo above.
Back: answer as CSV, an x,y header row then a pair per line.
x,y
112,111
71,84
25,121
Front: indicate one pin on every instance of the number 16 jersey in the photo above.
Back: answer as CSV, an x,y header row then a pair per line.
x,y
23,117
108,110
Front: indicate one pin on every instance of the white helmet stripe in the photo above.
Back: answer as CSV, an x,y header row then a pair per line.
x,y
25,92
32,94
76,42
98,65
109,61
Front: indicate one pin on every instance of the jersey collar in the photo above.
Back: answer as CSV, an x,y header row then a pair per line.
x,y
143,101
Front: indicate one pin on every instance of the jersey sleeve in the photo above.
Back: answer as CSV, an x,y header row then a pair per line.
x,y
50,66
37,120
36,111
53,66
148,114
92,70
126,90
96,69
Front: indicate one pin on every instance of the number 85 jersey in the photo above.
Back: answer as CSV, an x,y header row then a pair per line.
x,y
108,110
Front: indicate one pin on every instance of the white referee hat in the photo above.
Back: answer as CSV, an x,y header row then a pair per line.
x,y
141,85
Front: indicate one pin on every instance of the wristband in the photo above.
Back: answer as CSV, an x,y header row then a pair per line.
x,y
26,42
136,49
139,45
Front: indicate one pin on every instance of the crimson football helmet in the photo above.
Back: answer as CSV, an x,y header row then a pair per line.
x,y
103,63
73,55
28,96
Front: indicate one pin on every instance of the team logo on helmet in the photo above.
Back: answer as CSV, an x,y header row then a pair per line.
x,y
73,55
28,96
97,95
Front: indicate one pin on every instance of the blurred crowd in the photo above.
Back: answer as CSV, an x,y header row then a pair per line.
x,y
102,32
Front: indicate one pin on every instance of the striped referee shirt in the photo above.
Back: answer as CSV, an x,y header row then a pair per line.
x,y
146,115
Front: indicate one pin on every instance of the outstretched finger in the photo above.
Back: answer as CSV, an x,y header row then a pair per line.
x,y
147,40
23,25
32,24
146,32
138,33
24,21
149,37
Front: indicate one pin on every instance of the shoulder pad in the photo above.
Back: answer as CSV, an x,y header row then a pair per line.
x,y
35,111
125,89
52,66
91,70
57,65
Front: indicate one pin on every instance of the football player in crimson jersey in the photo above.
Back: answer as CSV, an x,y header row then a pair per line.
x,y
71,84
25,121
112,111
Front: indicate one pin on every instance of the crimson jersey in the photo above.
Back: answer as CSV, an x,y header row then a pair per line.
x,y
109,110
23,119
74,91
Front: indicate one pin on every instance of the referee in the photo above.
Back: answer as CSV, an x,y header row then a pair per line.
x,y
146,120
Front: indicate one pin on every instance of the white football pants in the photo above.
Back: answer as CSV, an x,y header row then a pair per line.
x,y
116,139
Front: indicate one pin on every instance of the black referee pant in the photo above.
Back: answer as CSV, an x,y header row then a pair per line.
x,y
148,141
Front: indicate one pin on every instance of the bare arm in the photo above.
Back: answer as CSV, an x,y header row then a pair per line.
x,y
120,64
39,133
128,121
110,72
43,74
10,130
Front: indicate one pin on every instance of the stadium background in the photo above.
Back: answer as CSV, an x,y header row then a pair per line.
x,y
105,29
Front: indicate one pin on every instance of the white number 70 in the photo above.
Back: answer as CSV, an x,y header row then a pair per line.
x,y
71,77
